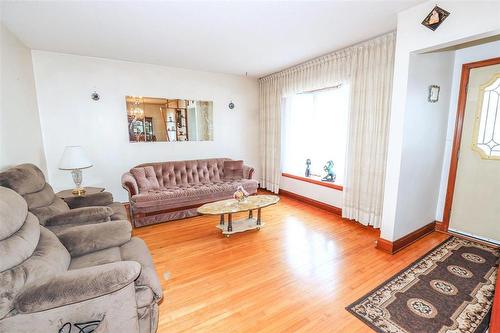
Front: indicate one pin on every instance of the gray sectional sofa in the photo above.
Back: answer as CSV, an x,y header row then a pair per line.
x,y
93,274
173,190
69,265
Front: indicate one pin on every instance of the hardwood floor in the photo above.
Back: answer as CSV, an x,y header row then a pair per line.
x,y
297,274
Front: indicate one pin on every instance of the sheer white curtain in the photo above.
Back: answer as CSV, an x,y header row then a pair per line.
x,y
326,71
371,87
367,69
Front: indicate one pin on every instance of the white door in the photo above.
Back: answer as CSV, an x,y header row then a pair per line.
x,y
475,208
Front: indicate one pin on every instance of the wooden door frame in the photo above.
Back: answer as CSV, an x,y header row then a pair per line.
x,y
457,138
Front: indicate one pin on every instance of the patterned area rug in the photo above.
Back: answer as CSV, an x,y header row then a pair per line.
x,y
450,289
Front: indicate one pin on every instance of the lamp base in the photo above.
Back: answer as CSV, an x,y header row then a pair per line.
x,y
77,179
79,191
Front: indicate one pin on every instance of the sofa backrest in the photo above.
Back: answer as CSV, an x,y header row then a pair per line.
x,y
178,173
28,181
28,251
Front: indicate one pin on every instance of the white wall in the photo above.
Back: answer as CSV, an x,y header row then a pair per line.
x,y
424,138
462,56
320,193
20,133
468,20
69,117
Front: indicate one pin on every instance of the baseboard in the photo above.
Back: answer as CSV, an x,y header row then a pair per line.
x,y
312,202
401,243
384,245
440,226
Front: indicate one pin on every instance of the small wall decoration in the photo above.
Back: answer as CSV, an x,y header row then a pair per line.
x,y
434,19
95,96
433,93
231,105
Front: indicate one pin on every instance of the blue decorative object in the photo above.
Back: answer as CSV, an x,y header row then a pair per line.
x,y
308,167
330,174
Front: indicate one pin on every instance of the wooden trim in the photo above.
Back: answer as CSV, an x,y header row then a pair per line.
x,y
312,202
401,243
314,181
457,138
440,226
385,245
495,312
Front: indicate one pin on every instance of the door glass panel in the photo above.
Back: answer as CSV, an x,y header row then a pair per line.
x,y
486,140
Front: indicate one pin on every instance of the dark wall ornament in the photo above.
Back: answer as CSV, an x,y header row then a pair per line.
x,y
434,19
231,106
95,96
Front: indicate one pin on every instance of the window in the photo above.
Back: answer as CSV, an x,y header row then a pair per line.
x,y
486,138
315,128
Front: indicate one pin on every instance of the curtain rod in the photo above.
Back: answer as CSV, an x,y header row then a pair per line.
x,y
321,89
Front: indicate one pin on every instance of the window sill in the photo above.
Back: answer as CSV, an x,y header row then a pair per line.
x,y
314,181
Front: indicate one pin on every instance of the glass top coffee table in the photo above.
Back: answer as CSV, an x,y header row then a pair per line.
x,y
231,206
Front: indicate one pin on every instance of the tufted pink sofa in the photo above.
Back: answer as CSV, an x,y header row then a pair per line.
x,y
182,187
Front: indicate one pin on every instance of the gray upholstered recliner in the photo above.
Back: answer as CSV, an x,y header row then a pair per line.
x,y
53,212
92,275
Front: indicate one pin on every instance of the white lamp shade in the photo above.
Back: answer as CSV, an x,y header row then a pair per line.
x,y
74,157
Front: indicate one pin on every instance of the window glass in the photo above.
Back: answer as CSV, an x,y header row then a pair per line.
x,y
315,128
487,133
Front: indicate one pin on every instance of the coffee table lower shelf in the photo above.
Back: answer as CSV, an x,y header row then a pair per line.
x,y
240,226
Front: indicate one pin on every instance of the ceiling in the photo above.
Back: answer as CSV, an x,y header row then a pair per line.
x,y
257,37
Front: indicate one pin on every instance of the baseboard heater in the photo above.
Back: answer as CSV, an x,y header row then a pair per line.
x,y
484,239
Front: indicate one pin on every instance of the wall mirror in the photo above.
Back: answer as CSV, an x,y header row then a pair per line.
x,y
152,119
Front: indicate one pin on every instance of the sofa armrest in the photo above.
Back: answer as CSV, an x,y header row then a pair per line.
x,y
84,239
96,199
77,286
130,184
248,172
84,215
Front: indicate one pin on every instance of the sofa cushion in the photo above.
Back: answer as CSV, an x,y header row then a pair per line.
x,y
49,258
233,169
24,178
13,212
146,178
188,195
133,250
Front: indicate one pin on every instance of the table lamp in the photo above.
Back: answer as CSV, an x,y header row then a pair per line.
x,y
75,159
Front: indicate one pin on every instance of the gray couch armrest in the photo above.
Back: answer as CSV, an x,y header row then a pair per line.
x,y
130,184
96,199
248,172
77,286
84,215
84,239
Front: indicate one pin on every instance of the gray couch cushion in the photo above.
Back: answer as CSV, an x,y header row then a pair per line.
x,y
13,211
24,178
20,245
50,257
134,250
